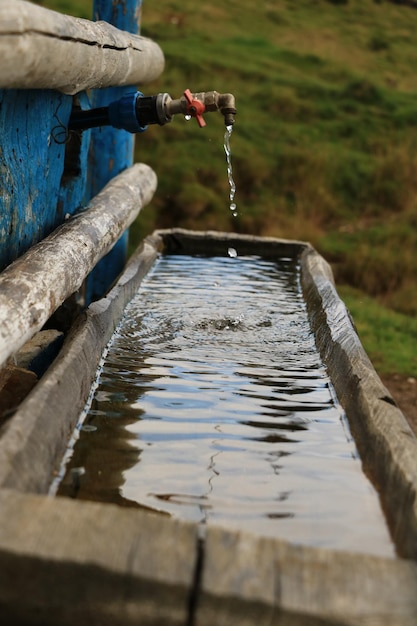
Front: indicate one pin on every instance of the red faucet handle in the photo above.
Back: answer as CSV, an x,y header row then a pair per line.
x,y
195,108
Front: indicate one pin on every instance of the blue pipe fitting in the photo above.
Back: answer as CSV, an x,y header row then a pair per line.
x,y
122,113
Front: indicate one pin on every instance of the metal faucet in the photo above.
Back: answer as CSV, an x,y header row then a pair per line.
x,y
195,104
134,112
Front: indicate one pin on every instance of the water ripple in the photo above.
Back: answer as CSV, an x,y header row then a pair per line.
x,y
213,405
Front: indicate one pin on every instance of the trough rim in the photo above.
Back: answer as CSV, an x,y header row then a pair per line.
x,y
343,355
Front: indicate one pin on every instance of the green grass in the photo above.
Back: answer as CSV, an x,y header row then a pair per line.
x,y
79,8
324,147
388,337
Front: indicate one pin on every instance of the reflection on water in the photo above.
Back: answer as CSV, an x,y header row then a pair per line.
x,y
213,405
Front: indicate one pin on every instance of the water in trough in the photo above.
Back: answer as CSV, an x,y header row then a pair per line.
x,y
212,404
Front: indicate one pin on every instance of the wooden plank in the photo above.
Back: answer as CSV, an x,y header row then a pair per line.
x,y
38,186
40,48
37,283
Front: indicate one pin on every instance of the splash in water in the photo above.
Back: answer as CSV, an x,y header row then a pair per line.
x,y
232,185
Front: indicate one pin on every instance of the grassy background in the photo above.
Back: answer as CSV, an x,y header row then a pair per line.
x,y
324,148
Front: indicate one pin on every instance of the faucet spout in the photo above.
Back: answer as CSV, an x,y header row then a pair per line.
x,y
227,108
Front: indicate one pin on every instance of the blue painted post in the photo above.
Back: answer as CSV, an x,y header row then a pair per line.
x,y
111,150
39,185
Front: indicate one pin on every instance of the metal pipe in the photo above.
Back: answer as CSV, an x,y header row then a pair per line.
x,y
212,101
89,118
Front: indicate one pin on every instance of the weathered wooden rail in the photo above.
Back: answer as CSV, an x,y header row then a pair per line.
x,y
33,287
42,49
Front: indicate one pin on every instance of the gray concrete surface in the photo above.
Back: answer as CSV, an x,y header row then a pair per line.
x,y
33,442
386,443
63,561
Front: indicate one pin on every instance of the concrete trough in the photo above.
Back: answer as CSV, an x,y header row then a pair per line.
x,y
64,560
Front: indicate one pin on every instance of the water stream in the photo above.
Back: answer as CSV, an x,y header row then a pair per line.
x,y
212,404
228,151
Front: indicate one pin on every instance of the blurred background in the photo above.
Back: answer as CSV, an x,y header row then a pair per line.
x,y
324,148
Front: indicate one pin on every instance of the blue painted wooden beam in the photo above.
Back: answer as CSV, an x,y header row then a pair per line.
x,y
111,150
39,184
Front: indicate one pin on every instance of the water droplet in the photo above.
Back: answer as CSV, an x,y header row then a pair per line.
x,y
88,428
232,252
76,472
187,117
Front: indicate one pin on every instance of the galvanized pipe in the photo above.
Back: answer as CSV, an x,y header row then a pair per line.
x,y
37,283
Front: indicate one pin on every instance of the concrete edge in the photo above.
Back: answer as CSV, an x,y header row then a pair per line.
x,y
45,420
103,562
65,562
182,241
282,583
386,443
